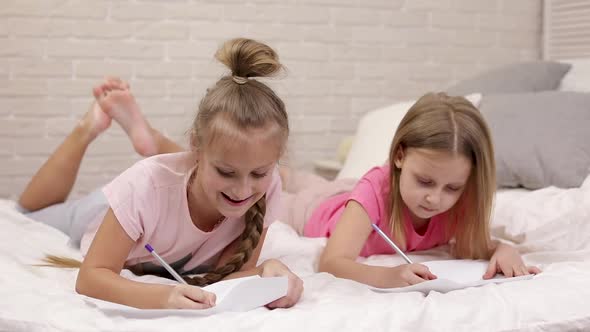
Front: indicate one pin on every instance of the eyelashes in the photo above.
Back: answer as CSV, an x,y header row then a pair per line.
x,y
259,175
428,183
424,183
224,173
229,174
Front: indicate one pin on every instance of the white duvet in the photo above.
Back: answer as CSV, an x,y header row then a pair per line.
x,y
550,226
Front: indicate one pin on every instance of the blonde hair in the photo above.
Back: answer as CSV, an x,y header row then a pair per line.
x,y
440,122
237,102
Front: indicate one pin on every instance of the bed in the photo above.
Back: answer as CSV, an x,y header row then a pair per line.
x,y
550,226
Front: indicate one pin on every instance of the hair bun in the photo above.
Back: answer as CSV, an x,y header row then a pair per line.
x,y
248,58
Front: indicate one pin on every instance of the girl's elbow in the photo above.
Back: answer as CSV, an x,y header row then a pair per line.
x,y
324,264
322,267
82,283
80,288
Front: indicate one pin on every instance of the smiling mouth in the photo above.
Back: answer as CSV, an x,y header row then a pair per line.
x,y
233,201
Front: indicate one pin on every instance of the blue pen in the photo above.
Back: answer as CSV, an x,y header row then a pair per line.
x,y
388,240
165,265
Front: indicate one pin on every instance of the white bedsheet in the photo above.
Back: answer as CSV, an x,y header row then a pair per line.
x,y
550,226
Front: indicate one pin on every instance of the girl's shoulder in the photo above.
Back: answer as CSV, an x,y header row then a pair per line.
x,y
377,174
164,169
147,180
374,182
178,161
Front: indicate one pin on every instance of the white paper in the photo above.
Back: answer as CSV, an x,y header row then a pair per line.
x,y
240,294
453,275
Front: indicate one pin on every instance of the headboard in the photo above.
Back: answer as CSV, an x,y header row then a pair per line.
x,y
566,29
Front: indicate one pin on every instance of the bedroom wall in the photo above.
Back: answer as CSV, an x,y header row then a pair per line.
x,y
345,57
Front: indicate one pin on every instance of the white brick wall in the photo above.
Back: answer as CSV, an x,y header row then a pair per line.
x,y
345,57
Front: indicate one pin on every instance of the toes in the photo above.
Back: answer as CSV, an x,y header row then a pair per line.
x,y
97,91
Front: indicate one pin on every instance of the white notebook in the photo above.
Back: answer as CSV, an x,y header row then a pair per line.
x,y
453,275
240,294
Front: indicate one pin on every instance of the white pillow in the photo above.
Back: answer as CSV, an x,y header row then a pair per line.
x,y
578,77
373,138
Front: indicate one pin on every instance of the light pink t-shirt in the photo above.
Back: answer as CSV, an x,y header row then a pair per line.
x,y
150,201
372,193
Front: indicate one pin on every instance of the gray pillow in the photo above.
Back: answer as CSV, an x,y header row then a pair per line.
x,y
540,139
520,77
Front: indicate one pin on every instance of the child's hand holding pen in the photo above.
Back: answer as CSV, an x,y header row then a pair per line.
x,y
183,296
406,274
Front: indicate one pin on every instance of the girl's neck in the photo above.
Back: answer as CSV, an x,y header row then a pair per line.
x,y
420,225
202,214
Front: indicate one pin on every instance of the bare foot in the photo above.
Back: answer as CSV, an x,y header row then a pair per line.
x,y
95,121
120,105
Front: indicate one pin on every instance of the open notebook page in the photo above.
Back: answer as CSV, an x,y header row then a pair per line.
x,y
453,275
240,294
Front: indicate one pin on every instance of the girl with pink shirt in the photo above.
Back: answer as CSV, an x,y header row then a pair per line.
x,y
437,188
206,211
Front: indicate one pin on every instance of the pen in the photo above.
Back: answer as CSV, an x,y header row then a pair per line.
x,y
165,265
388,240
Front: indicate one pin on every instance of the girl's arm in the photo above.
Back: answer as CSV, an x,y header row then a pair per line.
x,y
507,260
99,276
345,244
269,268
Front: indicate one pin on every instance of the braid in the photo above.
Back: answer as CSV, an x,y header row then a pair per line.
x,y
249,240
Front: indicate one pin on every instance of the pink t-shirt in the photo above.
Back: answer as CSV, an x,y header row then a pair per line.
x,y
372,193
150,201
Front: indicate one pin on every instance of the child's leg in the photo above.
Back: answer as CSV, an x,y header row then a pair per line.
x,y
73,216
294,181
54,180
303,192
116,100
164,144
